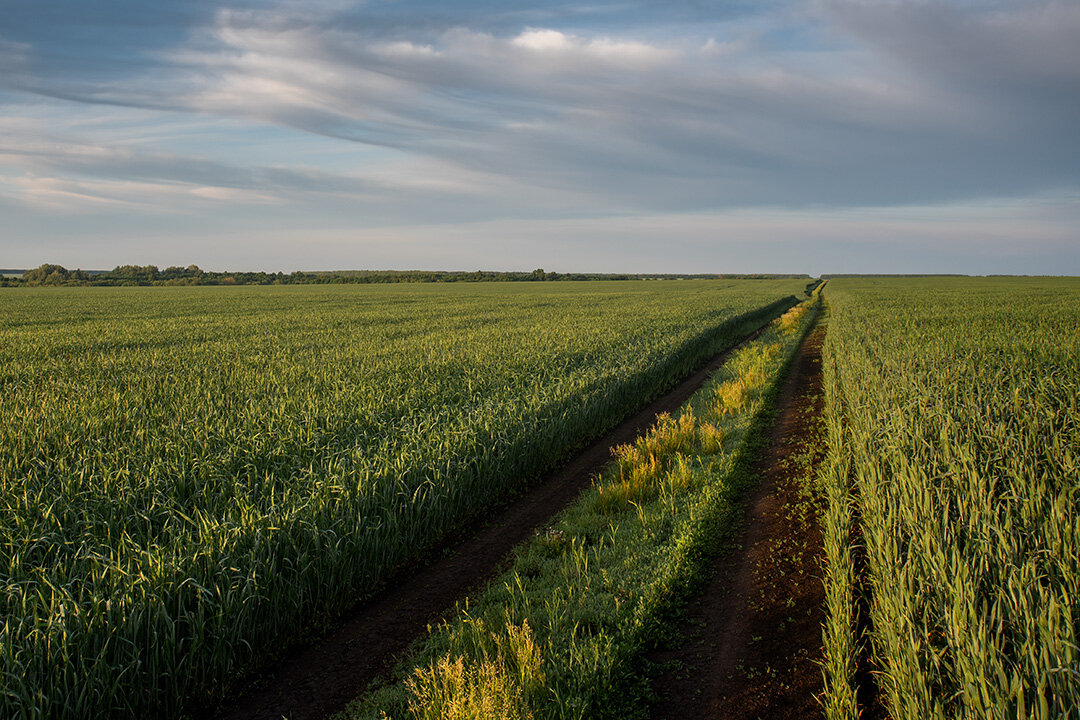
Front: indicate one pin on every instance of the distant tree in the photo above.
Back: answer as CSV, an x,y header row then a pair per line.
x,y
133,275
194,275
47,274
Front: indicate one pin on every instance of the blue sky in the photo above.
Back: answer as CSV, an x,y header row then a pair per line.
x,y
821,136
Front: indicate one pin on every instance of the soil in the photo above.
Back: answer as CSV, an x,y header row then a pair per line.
x,y
321,677
753,638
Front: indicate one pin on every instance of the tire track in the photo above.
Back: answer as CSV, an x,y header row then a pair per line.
x,y
316,679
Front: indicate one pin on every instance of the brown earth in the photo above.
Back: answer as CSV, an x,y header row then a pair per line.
x,y
319,678
753,637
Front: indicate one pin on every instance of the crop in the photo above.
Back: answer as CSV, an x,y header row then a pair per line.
x,y
954,475
190,477
562,633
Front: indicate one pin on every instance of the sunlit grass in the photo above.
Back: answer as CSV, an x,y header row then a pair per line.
x,y
955,434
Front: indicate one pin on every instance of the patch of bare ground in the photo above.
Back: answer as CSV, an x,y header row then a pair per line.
x,y
314,680
753,637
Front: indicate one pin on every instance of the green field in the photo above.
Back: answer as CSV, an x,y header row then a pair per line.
x,y
955,484
562,633
190,476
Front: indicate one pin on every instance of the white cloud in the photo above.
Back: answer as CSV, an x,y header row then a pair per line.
x,y
228,194
544,41
721,122
625,53
889,102
405,49
72,196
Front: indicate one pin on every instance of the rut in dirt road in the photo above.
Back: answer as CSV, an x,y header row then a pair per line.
x,y
315,680
753,638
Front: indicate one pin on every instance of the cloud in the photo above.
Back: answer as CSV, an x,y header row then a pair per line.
x,y
68,195
546,44
1013,66
674,125
57,171
425,113
230,194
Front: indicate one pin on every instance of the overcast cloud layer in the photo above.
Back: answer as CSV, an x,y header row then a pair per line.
x,y
831,136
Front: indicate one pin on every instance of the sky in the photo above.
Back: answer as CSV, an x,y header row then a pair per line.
x,y
820,136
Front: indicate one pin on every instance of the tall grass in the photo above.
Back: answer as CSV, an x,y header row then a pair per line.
x,y
955,422
188,476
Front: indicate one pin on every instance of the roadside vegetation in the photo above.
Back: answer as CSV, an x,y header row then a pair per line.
x,y
953,534
189,478
562,633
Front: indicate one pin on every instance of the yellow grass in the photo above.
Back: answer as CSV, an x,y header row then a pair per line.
x,y
493,689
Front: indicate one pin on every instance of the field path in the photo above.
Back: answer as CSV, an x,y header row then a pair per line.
x,y
320,678
754,635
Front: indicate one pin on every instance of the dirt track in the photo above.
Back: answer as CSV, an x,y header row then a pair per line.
x,y
754,635
317,679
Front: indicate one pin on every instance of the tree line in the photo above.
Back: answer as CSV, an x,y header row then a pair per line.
x,y
128,275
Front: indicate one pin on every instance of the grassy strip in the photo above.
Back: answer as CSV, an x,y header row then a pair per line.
x,y
560,634
839,634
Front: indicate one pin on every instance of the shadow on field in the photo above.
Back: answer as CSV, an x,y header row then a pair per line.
x,y
316,679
